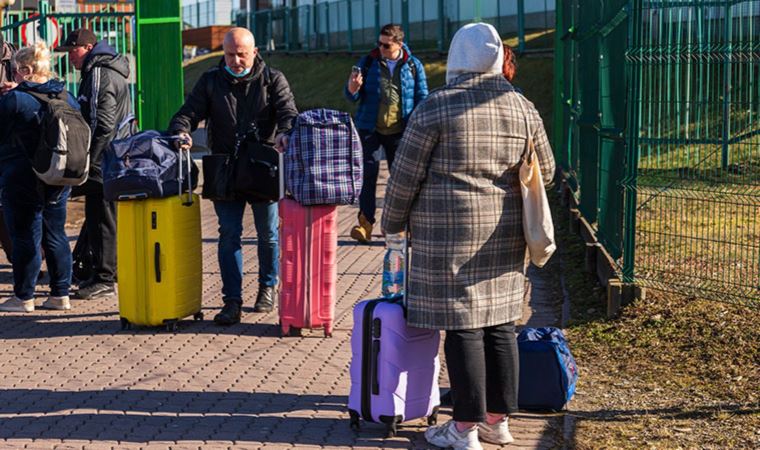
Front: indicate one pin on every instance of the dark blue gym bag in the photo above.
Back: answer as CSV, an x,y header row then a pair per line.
x,y
547,370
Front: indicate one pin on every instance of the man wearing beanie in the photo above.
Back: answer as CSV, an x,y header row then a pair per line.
x,y
455,182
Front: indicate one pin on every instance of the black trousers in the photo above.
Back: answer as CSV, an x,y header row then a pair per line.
x,y
483,370
100,216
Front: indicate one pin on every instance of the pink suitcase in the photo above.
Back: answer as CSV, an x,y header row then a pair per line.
x,y
308,269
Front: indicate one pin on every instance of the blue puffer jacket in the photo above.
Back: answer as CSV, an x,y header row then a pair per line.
x,y
413,89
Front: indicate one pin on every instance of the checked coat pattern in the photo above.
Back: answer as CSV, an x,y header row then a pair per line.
x,y
455,181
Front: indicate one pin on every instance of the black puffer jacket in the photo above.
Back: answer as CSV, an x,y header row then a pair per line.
x,y
216,98
105,101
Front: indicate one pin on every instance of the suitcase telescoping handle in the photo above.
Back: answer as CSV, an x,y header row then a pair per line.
x,y
189,200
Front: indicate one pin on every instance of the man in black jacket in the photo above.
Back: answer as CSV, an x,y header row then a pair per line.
x,y
107,106
241,94
7,82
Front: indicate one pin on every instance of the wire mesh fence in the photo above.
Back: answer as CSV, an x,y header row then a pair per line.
x,y
353,25
660,139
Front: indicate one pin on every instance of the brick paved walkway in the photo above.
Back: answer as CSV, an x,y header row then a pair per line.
x,y
75,380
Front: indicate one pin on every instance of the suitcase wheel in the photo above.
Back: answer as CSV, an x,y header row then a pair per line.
x,y
171,326
125,325
433,417
354,420
295,332
390,430
328,333
198,316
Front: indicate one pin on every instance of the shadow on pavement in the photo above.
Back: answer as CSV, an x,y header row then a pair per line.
x,y
143,415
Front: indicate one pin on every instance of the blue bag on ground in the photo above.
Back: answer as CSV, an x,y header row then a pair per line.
x,y
548,372
145,165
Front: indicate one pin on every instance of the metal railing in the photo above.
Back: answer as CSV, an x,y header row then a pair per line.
x,y
353,25
657,131
114,27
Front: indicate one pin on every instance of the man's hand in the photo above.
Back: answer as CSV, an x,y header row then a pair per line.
x,y
281,142
355,82
7,86
185,141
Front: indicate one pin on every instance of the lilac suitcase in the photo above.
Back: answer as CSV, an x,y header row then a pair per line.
x,y
394,367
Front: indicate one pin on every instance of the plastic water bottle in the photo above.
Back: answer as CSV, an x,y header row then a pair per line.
x,y
393,265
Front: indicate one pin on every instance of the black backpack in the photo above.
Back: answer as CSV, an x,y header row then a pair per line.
x,y
62,157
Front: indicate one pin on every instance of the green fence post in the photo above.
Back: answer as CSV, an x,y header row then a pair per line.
x,y
405,19
559,76
520,26
441,26
632,166
377,18
44,11
728,50
158,50
478,16
327,26
350,26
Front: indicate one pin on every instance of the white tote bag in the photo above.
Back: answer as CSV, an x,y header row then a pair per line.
x,y
537,217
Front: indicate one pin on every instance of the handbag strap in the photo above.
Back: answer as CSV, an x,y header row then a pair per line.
x,y
530,148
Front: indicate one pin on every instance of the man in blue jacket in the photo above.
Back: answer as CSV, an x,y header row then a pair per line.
x,y
388,83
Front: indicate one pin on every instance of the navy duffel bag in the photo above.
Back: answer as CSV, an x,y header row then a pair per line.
x,y
548,372
145,165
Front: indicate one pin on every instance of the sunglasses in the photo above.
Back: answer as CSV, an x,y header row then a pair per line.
x,y
383,45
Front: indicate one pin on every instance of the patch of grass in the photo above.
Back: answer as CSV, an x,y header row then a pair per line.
x,y
671,372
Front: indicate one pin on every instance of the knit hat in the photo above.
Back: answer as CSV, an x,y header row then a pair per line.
x,y
476,47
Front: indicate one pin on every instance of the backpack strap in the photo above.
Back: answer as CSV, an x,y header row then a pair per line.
x,y
368,60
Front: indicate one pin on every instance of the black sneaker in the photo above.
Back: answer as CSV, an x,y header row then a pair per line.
x,y
229,315
265,299
95,291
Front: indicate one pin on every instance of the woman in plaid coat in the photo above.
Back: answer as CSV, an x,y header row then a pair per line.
x,y
455,182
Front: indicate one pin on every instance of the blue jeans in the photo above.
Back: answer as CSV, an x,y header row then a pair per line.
x,y
230,251
371,142
36,214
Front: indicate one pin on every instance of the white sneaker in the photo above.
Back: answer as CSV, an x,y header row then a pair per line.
x,y
14,304
447,436
61,303
497,433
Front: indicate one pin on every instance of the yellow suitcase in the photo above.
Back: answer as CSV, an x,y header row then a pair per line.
x,y
159,260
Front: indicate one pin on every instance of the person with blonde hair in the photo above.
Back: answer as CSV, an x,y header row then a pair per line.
x,y
455,182
34,212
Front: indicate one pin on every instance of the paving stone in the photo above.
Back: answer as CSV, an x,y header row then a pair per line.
x,y
81,382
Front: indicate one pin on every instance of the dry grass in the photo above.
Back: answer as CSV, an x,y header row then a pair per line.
x,y
671,372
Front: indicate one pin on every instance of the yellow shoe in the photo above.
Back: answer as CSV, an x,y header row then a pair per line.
x,y
363,231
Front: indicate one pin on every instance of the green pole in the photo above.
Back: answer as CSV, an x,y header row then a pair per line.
x,y
44,11
559,77
327,25
441,26
377,18
631,169
478,16
350,27
728,50
405,18
520,26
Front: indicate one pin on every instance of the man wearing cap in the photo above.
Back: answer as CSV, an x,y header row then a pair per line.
x,y
106,105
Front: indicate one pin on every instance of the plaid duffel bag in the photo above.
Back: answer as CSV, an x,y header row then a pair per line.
x,y
323,161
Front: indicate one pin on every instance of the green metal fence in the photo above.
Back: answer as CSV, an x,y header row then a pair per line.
x,y
353,25
658,133
27,29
